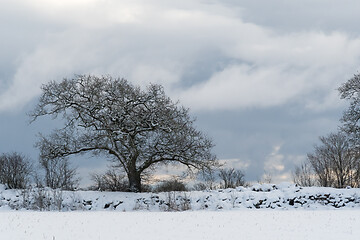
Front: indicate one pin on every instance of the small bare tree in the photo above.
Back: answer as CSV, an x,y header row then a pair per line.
x,y
15,170
208,178
265,178
59,174
335,162
303,175
231,177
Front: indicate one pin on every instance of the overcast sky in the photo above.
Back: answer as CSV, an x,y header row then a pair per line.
x,y
260,76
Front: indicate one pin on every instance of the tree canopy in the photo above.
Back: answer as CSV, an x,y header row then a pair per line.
x,y
138,129
350,91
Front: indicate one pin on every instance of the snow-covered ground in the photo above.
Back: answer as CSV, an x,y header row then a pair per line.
x,y
268,211
239,224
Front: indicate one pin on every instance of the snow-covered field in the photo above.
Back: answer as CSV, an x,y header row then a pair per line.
x,y
282,211
259,212
237,224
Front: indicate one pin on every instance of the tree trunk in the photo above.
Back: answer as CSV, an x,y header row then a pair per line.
x,y
134,181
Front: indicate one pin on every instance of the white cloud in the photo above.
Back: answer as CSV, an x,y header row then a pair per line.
x,y
275,165
274,161
159,41
305,68
85,13
235,163
45,63
242,86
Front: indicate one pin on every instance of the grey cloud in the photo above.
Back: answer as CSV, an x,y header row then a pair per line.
x,y
251,135
293,16
167,44
257,74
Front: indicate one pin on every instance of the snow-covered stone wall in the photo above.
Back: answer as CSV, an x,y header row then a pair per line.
x,y
267,196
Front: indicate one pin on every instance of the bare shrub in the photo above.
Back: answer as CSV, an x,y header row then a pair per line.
x,y
41,199
112,180
15,170
208,178
170,186
231,178
185,202
199,187
57,199
304,175
59,174
265,178
177,202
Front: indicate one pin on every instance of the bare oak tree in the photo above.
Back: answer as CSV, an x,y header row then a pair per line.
x,y
137,129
